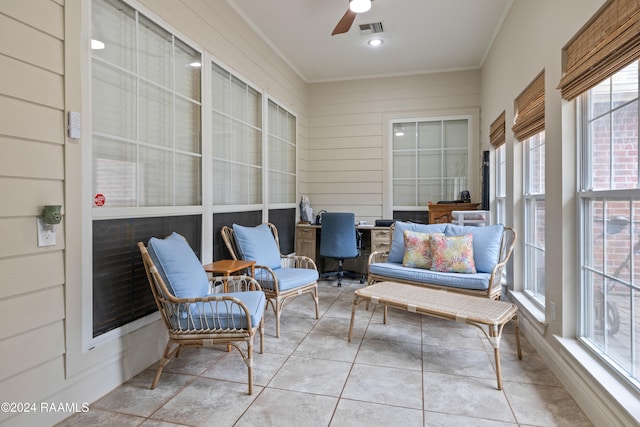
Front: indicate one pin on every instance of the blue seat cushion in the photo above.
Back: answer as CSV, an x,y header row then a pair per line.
x,y
486,243
178,266
392,270
224,314
257,244
288,278
396,253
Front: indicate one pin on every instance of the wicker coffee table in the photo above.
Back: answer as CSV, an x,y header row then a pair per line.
x,y
476,311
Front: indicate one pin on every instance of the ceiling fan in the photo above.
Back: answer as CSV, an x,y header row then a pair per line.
x,y
355,7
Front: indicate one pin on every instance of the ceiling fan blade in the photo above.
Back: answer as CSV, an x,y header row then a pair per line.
x,y
345,23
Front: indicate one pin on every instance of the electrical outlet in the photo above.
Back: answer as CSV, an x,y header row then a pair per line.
x,y
552,310
46,235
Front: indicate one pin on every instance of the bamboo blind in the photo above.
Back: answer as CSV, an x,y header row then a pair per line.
x,y
497,131
606,44
530,110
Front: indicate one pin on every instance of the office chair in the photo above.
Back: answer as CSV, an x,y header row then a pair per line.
x,y
338,240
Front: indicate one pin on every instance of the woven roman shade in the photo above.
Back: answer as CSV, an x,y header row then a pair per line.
x,y
530,110
606,44
497,131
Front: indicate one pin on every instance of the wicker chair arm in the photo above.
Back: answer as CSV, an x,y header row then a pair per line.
x,y
298,261
378,256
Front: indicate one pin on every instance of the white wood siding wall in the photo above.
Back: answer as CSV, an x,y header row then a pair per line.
x,y
41,289
31,176
348,134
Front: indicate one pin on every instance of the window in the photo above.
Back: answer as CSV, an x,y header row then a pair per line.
x,y
282,155
528,128
497,133
534,218
430,161
146,112
146,153
501,184
237,140
610,216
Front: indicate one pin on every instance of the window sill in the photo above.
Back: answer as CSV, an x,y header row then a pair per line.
x,y
624,402
527,309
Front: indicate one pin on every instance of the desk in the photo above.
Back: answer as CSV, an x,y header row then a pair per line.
x,y
373,239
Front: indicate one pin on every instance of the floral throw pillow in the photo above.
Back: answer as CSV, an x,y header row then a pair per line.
x,y
417,249
452,254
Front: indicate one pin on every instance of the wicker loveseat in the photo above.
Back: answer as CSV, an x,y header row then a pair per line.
x,y
492,248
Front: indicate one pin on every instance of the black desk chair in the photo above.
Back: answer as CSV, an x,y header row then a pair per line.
x,y
338,240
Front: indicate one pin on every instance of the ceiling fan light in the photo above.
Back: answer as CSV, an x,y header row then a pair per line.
x,y
359,6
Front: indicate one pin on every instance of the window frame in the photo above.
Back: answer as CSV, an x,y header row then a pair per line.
x,y
534,287
417,206
597,338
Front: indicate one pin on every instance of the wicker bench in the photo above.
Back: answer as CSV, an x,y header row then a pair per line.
x,y
479,312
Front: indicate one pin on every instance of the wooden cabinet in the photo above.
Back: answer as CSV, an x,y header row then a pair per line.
x,y
441,213
380,239
306,241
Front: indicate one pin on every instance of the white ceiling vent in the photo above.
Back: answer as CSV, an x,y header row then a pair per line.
x,y
372,28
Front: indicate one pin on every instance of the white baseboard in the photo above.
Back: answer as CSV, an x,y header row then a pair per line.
x,y
603,397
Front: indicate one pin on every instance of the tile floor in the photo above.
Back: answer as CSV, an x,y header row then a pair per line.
x,y
414,371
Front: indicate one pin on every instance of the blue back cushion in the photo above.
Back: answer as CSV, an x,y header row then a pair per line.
x,y
179,266
257,244
486,243
396,254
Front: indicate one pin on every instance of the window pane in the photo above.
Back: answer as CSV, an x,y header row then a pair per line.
x,y
188,175
600,133
187,126
156,115
187,71
429,164
155,53
404,165
113,102
404,192
624,141
114,172
404,136
116,28
156,177
430,135
456,134
536,164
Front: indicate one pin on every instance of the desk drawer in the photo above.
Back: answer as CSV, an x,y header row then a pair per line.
x,y
380,240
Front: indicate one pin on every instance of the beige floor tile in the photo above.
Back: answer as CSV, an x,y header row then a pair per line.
x,y
352,413
285,408
389,386
413,371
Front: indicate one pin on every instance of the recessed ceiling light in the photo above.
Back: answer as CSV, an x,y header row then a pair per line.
x,y
96,44
375,42
195,64
359,6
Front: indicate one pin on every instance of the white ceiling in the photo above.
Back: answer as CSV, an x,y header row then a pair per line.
x,y
420,36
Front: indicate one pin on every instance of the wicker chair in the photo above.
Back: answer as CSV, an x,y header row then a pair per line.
x,y
230,317
282,277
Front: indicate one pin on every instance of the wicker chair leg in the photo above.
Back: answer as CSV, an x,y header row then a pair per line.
x,y
314,294
278,310
250,364
166,358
